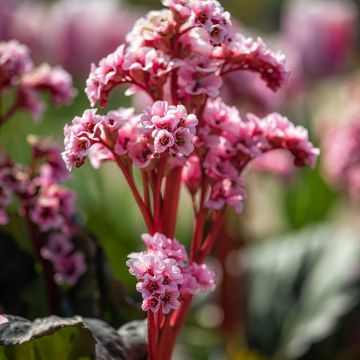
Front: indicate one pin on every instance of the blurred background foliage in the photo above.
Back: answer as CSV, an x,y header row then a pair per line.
x,y
288,267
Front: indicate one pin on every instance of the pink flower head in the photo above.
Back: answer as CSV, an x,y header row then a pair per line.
x,y
143,263
210,15
58,245
326,42
246,54
155,30
165,247
55,80
3,319
151,303
191,173
151,285
226,193
181,8
170,300
282,134
46,213
198,77
14,62
98,153
170,126
204,276
141,153
104,77
117,118
341,162
127,136
69,269
163,141
220,116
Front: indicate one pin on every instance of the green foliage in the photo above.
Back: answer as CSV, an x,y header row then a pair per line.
x,y
300,287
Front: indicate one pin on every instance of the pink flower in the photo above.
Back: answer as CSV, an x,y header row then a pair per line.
x,y
204,276
55,80
151,303
198,77
117,118
341,161
142,263
180,7
170,126
226,193
165,247
3,319
141,153
246,54
104,77
191,174
169,300
46,213
98,153
155,30
326,42
151,285
69,269
163,140
282,134
57,245
14,62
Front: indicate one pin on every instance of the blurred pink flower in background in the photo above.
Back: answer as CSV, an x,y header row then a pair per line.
x,y
323,31
341,160
77,32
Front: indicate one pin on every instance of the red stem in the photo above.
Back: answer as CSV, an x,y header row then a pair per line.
x,y
171,202
157,195
142,206
151,336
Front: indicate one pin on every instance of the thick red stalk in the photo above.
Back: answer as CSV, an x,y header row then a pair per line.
x,y
171,202
142,206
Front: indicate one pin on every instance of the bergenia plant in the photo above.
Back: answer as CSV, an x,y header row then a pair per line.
x,y
187,135
46,206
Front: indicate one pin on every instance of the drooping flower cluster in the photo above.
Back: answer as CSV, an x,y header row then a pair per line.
x,y
164,274
18,75
162,128
341,161
45,203
228,143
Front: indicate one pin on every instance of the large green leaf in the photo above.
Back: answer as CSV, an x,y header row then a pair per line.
x,y
300,288
69,339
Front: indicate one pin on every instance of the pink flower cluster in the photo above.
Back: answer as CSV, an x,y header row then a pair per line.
x,y
17,73
341,161
14,61
45,203
164,274
207,48
161,128
69,265
228,143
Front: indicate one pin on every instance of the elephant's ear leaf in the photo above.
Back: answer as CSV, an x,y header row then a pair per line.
x,y
58,338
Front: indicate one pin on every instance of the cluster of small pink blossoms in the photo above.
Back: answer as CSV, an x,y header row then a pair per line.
x,y
178,57
164,274
46,204
18,75
162,128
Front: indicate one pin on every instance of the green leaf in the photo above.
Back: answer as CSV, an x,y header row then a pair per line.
x,y
300,288
71,338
